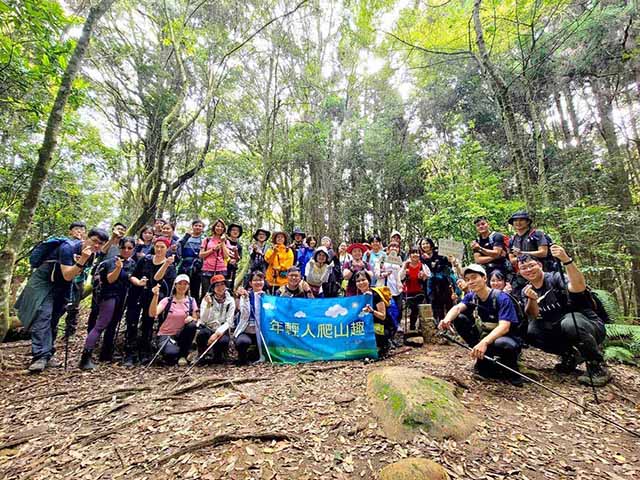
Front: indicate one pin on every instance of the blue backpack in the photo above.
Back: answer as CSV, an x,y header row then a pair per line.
x,y
42,250
393,313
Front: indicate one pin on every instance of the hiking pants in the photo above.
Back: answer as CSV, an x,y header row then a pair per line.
x,y
44,328
132,318
243,342
506,347
559,337
218,351
413,301
176,346
109,315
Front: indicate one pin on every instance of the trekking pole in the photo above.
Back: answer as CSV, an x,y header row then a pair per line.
x,y
575,326
541,385
158,352
265,346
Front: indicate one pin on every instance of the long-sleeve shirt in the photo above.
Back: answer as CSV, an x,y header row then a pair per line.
x,y
216,314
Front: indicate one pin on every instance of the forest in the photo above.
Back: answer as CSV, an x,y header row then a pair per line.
x,y
346,118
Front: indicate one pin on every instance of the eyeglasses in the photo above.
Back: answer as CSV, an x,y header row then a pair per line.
x,y
525,267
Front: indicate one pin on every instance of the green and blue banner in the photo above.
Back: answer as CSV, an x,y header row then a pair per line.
x,y
306,330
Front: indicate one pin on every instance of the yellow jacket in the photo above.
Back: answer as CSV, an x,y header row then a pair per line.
x,y
279,258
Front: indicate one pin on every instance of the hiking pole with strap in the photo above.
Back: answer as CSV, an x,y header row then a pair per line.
x,y
541,385
158,352
575,326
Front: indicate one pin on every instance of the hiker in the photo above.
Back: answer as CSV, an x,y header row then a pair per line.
x,y
498,281
305,253
218,309
144,242
327,243
389,275
108,251
191,265
553,302
414,275
257,249
114,282
528,240
77,230
378,310
353,266
490,248
297,242
397,238
343,255
175,249
295,286
318,270
178,314
214,252
279,258
374,257
442,285
487,321
151,270
44,298
158,223
247,332
234,232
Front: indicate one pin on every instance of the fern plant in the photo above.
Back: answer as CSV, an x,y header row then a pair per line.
x,y
610,305
619,354
627,336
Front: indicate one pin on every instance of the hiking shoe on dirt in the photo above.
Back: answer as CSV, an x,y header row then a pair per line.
x,y
85,361
568,362
128,361
599,374
182,362
37,366
53,362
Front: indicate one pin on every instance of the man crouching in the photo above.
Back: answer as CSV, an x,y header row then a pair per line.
x,y
488,321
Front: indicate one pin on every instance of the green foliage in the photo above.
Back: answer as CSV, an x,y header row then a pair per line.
x,y
620,355
610,305
627,336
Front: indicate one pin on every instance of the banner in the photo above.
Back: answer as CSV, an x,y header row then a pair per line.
x,y
448,247
307,330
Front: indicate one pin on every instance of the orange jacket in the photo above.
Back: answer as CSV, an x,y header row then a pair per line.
x,y
279,258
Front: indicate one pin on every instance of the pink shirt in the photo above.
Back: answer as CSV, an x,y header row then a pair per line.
x,y
215,261
174,322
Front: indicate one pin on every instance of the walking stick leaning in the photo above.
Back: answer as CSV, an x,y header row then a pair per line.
x,y
158,353
541,385
221,330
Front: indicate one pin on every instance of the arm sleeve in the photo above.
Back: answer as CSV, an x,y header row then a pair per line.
x,y
506,310
65,254
541,239
162,304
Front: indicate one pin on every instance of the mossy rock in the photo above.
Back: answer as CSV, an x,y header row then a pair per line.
x,y
406,401
414,469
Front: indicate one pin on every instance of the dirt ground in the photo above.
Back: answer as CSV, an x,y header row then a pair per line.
x,y
299,422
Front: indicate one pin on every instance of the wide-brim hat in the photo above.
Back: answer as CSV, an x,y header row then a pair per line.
x,y
318,251
394,233
353,246
275,235
231,225
520,215
266,232
218,279
298,231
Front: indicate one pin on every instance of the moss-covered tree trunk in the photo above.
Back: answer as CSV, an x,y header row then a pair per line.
x,y
45,158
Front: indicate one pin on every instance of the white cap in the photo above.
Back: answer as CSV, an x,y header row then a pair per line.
x,y
474,268
183,277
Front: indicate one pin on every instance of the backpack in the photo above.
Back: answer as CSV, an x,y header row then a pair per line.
x,y
165,313
523,320
598,306
393,312
505,243
548,261
42,250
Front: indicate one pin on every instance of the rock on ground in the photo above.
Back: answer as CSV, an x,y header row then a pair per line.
x,y
406,401
414,469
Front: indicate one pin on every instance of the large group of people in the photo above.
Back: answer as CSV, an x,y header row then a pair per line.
x,y
183,297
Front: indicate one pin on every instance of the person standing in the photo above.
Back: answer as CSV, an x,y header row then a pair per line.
x,y
191,264
214,252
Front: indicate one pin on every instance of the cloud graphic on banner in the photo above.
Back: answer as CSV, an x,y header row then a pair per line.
x,y
335,311
268,306
300,315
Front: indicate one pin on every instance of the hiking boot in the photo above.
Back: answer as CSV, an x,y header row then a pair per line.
x,y
37,366
599,374
569,361
53,362
128,361
85,360
182,362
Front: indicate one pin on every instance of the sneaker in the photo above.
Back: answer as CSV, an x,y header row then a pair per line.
x,y
599,374
569,361
53,362
38,366
182,362
128,361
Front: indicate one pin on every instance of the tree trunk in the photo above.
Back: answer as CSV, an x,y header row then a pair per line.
x,y
501,90
564,123
571,109
45,158
538,137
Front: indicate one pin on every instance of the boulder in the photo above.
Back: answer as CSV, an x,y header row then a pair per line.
x,y
414,469
406,401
